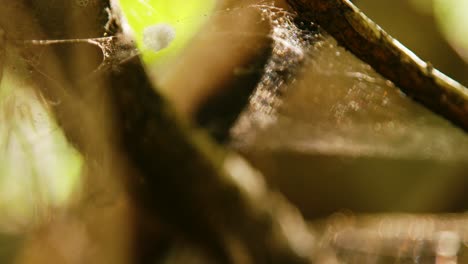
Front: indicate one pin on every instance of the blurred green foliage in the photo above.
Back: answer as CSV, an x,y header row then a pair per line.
x,y
452,17
8,247
39,170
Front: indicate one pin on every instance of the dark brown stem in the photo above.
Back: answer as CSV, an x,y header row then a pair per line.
x,y
196,186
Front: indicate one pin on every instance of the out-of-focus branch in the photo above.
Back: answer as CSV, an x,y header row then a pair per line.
x,y
418,79
200,190
211,195
390,238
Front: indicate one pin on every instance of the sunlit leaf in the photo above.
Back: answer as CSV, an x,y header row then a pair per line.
x,y
185,17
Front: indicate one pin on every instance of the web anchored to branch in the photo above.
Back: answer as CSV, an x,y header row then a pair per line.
x,y
315,97
115,50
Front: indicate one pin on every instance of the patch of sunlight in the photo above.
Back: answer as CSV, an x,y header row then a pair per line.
x,y
39,170
66,173
452,17
186,17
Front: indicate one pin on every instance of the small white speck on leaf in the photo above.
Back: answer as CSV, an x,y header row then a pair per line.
x,y
158,37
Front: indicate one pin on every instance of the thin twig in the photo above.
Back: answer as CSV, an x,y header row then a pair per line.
x,y
365,39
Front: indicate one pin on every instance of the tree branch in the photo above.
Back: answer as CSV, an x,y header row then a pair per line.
x,y
418,79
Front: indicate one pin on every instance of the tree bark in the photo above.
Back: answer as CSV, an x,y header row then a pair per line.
x,y
418,79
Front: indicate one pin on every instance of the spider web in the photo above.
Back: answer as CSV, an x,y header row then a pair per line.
x,y
322,124
332,103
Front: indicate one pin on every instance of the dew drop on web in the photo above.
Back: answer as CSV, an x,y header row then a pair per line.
x,y
158,37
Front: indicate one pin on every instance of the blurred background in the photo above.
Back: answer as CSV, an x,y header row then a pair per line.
x,y
434,29
342,139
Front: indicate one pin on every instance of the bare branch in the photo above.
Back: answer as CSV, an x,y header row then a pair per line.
x,y
418,79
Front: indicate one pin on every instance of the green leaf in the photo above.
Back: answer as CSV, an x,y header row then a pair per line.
x,y
185,16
